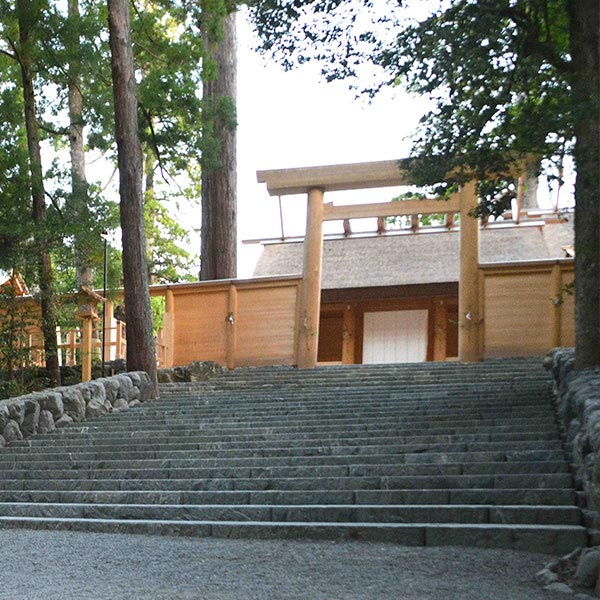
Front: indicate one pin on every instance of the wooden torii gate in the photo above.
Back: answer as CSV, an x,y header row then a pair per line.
x,y
315,181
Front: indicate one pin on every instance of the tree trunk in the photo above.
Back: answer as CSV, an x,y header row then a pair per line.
x,y
219,166
531,184
27,16
585,51
141,353
79,184
149,211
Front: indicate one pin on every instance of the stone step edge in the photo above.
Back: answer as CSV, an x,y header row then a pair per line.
x,y
552,539
529,507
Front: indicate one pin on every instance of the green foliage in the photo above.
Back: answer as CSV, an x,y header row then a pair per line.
x,y
497,72
157,305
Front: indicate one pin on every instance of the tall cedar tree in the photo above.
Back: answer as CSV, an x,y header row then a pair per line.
x,y
79,184
219,159
141,353
28,14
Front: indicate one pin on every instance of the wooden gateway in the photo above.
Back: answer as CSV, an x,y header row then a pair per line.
x,y
422,293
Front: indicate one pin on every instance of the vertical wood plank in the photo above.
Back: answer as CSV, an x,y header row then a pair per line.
x,y
556,305
86,349
232,304
469,348
109,312
349,333
169,328
308,334
440,327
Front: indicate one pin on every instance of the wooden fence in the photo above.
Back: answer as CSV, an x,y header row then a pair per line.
x,y
528,307
233,322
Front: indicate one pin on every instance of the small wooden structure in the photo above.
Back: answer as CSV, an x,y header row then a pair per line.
x,y
87,311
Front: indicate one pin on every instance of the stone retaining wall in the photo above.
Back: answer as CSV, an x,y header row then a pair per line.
x,y
42,412
578,407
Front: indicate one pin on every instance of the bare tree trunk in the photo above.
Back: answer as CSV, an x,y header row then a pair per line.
x,y
219,166
149,210
27,16
531,184
79,184
585,51
141,353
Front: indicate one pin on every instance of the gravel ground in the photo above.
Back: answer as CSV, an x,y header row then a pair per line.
x,y
59,565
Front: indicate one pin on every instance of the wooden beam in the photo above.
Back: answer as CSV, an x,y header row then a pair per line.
x,y
414,222
394,208
355,176
347,227
381,225
310,300
469,313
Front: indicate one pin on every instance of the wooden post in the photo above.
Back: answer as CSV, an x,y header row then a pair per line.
x,y
469,314
349,328
556,305
232,327
71,351
119,341
310,301
440,330
108,329
86,349
169,329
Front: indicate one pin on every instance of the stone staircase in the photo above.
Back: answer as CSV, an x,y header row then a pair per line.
x,y
430,454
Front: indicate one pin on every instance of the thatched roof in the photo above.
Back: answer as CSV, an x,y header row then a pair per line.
x,y
414,258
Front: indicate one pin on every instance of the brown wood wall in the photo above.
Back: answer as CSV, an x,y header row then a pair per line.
x,y
234,323
527,310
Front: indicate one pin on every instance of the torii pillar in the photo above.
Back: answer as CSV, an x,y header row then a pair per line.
x,y
469,310
310,299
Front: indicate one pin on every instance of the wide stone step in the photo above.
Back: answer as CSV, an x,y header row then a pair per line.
x,y
223,413
342,400
342,415
326,422
348,446
502,481
290,458
555,539
447,421
178,469
548,497
351,513
384,435
382,425
504,461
